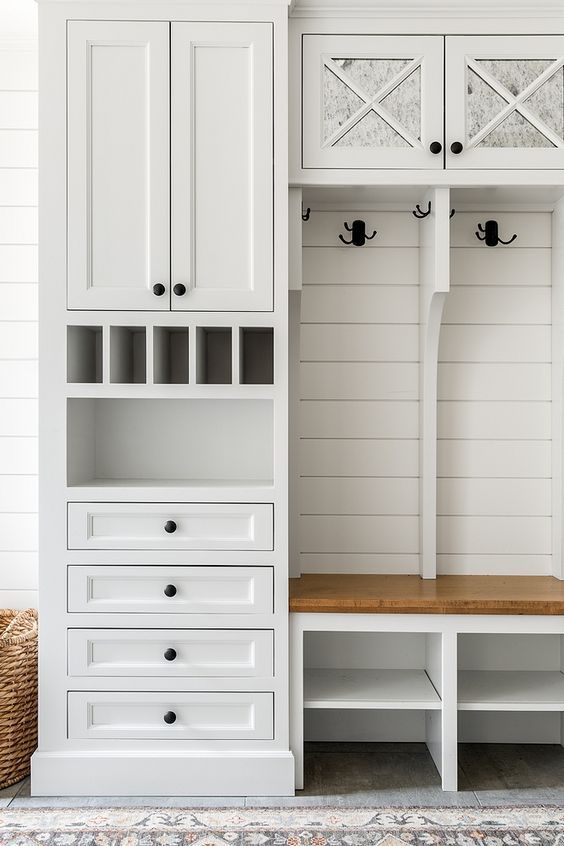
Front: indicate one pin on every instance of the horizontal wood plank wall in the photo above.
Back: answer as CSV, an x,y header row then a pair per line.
x,y
18,325
494,464
359,393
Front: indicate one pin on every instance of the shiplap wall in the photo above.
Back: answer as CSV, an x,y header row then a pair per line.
x,y
18,323
494,465
359,396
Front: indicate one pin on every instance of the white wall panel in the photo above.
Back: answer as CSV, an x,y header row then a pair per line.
x,y
18,327
494,454
358,492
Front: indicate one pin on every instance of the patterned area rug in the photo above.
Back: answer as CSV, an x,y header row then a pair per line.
x,y
534,826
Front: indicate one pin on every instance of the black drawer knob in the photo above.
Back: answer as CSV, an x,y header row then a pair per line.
x,y
435,147
170,527
456,147
169,718
170,654
179,289
158,289
170,590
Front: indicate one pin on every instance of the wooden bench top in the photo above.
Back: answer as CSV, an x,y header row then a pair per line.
x,y
375,594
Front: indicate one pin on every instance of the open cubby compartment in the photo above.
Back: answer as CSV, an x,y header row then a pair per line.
x,y
214,358
510,688
256,355
128,354
166,441
170,355
84,354
355,683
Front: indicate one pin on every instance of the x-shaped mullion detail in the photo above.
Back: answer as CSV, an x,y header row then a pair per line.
x,y
516,103
372,103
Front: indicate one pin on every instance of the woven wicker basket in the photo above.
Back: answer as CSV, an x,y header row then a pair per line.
x,y
18,693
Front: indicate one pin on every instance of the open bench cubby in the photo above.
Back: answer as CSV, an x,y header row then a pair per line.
x,y
167,441
215,362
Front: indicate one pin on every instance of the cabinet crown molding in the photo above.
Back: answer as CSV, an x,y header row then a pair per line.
x,y
426,8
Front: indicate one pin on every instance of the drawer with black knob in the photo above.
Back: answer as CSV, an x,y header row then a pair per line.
x,y
194,653
115,715
163,525
169,589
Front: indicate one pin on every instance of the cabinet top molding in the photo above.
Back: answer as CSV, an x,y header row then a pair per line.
x,y
426,8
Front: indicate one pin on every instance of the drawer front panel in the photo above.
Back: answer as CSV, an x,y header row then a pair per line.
x,y
189,716
227,526
230,653
189,590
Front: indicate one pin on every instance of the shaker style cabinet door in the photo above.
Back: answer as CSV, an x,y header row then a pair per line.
x,y
372,101
118,165
222,168
505,101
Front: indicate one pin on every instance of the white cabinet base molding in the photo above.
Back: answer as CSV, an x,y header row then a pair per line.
x,y
176,773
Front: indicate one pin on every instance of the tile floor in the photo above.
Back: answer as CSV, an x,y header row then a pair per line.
x,y
377,775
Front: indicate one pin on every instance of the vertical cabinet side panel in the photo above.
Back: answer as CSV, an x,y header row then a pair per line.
x,y
434,285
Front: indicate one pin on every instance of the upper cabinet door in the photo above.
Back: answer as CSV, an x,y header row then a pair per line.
x,y
222,166
505,101
372,101
118,165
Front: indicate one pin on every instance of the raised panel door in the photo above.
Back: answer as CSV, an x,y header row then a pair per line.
x,y
222,167
118,244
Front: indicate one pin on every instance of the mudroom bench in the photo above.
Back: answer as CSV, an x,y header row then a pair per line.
x,y
466,655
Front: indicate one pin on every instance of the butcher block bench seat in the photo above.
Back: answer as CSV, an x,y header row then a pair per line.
x,y
392,594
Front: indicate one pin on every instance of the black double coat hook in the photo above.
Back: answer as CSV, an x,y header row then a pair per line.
x,y
489,233
359,236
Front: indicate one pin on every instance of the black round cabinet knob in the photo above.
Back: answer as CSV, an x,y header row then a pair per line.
x,y
435,147
170,527
158,289
179,289
170,590
456,147
169,717
170,654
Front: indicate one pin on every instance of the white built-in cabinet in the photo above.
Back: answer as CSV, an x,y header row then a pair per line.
x,y
170,172
386,101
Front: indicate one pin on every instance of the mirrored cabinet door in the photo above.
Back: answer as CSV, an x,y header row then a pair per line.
x,y
372,101
505,101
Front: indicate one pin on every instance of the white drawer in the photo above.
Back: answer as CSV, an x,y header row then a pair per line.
x,y
194,590
229,653
190,716
141,525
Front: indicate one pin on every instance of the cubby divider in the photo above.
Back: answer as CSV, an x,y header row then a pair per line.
x,y
128,354
213,355
256,347
170,355
84,354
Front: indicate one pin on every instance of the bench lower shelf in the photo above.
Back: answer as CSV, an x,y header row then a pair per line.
x,y
369,689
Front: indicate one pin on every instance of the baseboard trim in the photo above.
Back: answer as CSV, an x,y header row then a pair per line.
x,y
157,774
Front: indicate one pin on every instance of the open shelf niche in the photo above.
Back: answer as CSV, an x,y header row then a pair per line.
x,y
256,345
166,441
383,672
214,355
170,355
84,354
510,688
128,354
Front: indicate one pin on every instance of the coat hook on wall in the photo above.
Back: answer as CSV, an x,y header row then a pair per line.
x,y
306,214
419,214
490,234
452,213
359,236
